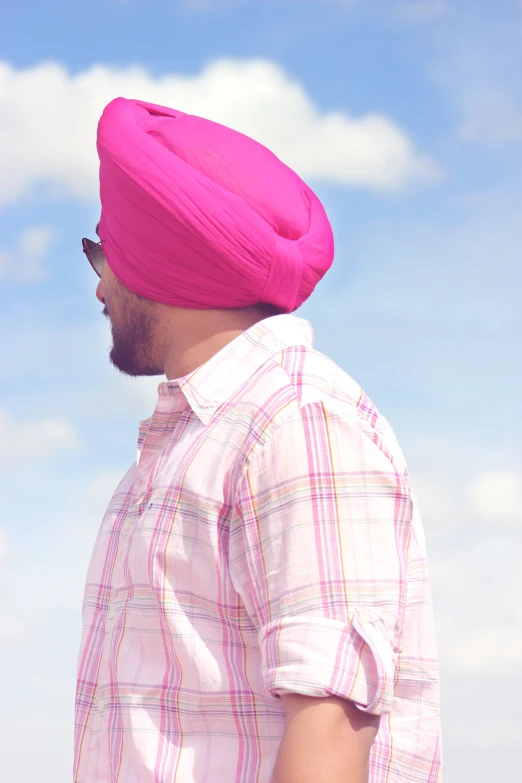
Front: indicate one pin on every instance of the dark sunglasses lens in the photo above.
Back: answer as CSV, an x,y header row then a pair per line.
x,y
94,254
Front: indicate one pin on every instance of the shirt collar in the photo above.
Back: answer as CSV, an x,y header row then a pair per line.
x,y
207,387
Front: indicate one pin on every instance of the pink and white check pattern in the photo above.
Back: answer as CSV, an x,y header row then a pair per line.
x,y
267,540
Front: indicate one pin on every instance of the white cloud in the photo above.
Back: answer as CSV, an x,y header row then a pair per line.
x,y
256,97
492,116
217,5
34,440
483,570
5,547
447,577
209,5
478,68
492,496
491,650
10,627
26,260
497,496
476,587
495,733
440,503
414,11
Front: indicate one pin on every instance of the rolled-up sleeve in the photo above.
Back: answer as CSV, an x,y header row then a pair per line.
x,y
318,552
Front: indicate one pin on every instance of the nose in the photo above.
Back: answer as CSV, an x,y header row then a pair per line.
x,y
99,293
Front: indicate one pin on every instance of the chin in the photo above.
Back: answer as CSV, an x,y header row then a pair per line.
x,y
128,365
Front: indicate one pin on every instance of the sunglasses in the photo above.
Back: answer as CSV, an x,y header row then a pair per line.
x,y
94,253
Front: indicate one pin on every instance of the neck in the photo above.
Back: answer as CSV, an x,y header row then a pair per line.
x,y
192,337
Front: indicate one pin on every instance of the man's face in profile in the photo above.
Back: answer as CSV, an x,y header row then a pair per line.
x,y
133,323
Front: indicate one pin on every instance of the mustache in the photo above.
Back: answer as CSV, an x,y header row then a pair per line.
x,y
105,312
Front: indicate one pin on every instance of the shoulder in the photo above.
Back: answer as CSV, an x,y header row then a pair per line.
x,y
299,385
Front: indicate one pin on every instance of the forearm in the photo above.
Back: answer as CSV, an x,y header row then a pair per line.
x,y
323,753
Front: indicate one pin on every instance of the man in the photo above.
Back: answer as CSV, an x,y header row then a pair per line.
x,y
257,607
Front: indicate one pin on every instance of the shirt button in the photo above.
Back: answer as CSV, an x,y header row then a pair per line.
x,y
101,705
127,526
112,612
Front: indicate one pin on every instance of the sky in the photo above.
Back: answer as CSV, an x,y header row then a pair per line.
x,y
405,116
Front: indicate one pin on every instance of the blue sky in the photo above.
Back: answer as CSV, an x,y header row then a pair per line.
x,y
406,118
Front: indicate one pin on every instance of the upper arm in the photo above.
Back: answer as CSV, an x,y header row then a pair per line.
x,y
329,713
326,739
317,552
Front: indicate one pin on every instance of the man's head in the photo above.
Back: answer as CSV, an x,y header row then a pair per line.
x,y
201,226
199,216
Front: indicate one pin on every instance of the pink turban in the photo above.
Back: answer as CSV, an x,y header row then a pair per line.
x,y
197,215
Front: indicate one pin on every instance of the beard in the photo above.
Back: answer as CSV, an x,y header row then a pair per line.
x,y
132,345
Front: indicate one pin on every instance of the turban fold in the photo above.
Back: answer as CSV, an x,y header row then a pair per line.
x,y
197,215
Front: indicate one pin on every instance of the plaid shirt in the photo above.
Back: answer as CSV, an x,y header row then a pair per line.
x,y
266,541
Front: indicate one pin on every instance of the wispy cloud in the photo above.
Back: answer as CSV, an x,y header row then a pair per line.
x,y
256,97
497,496
217,5
25,262
5,547
11,627
419,11
493,115
35,439
478,67
482,651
